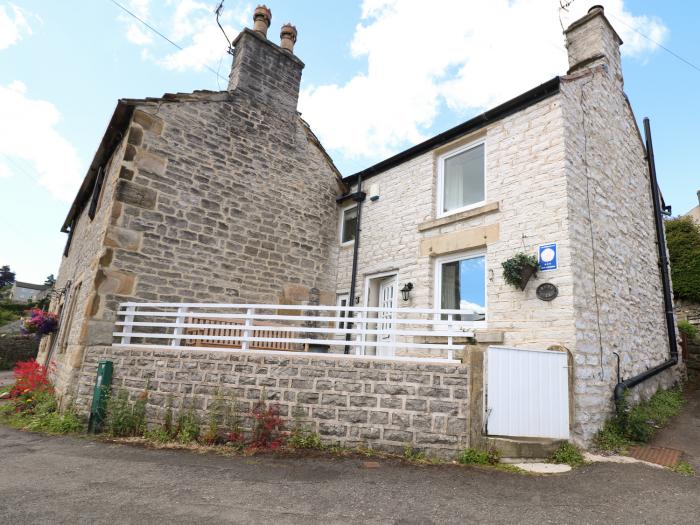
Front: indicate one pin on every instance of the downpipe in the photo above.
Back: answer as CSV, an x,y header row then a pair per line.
x,y
622,386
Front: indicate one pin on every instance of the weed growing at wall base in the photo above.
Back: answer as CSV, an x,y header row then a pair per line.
x,y
639,423
567,454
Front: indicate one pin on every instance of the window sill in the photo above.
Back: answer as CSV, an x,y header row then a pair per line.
x,y
489,207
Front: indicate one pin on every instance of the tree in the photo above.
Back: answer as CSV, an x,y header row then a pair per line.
x,y
683,240
50,281
7,276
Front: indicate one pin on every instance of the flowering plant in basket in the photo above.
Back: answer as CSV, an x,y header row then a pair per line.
x,y
39,323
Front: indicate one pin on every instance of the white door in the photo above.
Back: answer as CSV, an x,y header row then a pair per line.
x,y
387,293
527,393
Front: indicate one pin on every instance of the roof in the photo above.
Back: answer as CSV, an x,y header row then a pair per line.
x,y
20,284
114,134
541,92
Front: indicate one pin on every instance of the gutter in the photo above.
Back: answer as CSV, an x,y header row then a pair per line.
x,y
541,92
622,386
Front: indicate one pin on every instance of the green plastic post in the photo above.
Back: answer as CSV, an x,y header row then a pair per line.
x,y
99,396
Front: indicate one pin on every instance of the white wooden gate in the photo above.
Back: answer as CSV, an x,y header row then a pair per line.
x,y
527,393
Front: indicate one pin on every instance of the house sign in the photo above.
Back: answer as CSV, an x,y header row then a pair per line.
x,y
547,292
548,257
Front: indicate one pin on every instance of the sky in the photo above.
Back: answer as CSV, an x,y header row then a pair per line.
x,y
380,76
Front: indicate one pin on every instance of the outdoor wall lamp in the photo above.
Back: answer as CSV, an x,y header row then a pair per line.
x,y
406,291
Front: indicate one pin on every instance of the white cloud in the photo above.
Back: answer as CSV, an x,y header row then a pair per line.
x,y
13,25
136,32
465,56
31,146
189,23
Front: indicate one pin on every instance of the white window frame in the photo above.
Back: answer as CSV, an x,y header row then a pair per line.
x,y
441,173
439,261
341,222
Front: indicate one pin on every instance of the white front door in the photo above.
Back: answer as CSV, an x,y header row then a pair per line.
x,y
387,294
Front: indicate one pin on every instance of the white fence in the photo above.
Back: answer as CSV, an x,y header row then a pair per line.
x,y
383,332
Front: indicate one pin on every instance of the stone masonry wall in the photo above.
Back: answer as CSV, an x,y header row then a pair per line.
x,y
80,268
618,295
231,201
382,404
526,204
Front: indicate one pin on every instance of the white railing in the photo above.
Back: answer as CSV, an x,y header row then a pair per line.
x,y
383,332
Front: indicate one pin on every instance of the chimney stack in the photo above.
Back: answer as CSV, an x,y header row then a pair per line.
x,y
288,37
262,17
265,72
591,40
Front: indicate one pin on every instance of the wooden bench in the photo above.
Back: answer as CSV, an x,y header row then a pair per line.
x,y
238,332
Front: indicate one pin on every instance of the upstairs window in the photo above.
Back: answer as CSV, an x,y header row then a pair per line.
x,y
461,179
348,223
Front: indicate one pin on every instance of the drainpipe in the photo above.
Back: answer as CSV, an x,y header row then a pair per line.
x,y
358,197
622,386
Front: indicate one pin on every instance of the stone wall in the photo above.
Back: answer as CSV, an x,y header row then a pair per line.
x,y
80,272
618,296
210,197
352,401
524,175
15,348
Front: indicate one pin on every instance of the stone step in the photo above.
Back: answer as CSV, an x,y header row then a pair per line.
x,y
524,447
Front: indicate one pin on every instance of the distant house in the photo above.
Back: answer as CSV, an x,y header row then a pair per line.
x,y
26,292
694,213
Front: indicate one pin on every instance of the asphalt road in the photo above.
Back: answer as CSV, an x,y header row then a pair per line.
x,y
76,480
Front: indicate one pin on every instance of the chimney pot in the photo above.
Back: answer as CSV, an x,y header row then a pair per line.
x,y
262,17
596,7
288,37
698,194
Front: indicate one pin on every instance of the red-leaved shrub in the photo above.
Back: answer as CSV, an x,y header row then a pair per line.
x,y
30,377
268,427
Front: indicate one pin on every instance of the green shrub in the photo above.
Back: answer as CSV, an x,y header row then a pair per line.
x,y
683,240
688,329
471,456
305,439
568,454
639,423
159,435
41,415
611,437
684,468
187,426
124,418
414,454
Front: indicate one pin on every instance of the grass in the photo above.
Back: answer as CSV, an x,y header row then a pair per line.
x,y
42,416
638,424
7,316
472,456
568,454
684,468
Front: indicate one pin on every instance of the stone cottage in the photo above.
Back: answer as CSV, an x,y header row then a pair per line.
x,y
229,197
206,197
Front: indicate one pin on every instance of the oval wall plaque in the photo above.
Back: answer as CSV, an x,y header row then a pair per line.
x,y
547,292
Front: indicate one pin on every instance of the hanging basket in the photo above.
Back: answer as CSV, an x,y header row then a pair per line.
x,y
519,269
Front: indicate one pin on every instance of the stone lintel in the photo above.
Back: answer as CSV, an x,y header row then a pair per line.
x,y
460,240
